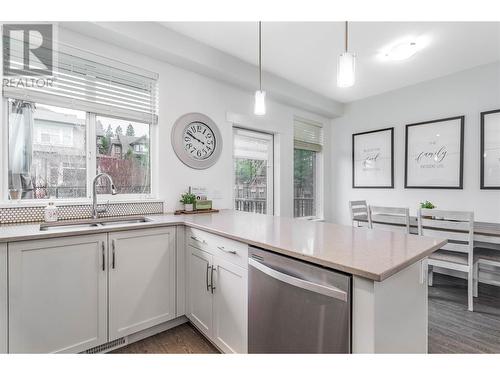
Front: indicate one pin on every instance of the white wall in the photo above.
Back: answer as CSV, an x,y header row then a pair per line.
x,y
466,93
182,91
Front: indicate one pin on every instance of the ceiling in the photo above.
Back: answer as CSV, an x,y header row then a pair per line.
x,y
305,53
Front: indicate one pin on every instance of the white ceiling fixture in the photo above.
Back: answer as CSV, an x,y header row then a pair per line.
x,y
346,65
404,48
260,96
402,51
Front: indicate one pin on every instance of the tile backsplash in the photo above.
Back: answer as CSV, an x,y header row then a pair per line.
x,y
27,214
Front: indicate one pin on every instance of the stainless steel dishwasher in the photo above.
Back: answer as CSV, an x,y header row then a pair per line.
x,y
296,307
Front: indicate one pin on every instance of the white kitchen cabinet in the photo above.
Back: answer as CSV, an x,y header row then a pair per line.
x,y
217,289
141,279
57,294
230,306
199,297
3,298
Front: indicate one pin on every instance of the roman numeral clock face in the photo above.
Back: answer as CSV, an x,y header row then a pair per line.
x,y
196,140
199,140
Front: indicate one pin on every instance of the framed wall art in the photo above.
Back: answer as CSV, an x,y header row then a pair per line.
x,y
373,159
435,154
490,149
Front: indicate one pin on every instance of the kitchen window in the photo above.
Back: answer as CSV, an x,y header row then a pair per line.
x,y
307,162
97,117
122,153
253,171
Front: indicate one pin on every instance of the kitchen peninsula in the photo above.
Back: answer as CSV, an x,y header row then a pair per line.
x,y
388,291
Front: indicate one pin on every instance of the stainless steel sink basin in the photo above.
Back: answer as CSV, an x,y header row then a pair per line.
x,y
124,220
67,226
90,223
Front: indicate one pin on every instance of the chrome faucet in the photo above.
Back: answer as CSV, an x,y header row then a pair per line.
x,y
95,209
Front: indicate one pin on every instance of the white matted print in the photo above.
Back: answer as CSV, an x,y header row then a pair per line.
x,y
490,150
372,159
434,154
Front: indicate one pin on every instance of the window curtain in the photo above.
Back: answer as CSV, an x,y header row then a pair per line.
x,y
20,149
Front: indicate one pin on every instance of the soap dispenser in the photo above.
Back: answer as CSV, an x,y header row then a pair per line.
x,y
51,212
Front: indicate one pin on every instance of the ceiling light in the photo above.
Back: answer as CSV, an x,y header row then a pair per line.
x,y
346,64
260,103
404,48
402,51
260,96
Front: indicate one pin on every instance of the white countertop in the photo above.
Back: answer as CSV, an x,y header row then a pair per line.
x,y
372,254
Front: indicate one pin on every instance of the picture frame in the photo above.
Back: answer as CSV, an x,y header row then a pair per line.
x,y
434,154
373,159
490,150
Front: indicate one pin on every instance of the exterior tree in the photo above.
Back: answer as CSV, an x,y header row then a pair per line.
x,y
104,146
130,130
118,130
109,132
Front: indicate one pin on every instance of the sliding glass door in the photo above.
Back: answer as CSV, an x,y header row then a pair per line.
x,y
253,171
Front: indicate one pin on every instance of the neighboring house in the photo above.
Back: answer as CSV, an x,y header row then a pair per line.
x,y
59,162
121,145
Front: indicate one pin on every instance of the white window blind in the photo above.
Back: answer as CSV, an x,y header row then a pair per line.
x,y
252,145
307,135
93,83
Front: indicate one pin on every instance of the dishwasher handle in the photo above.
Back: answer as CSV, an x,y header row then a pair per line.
x,y
299,283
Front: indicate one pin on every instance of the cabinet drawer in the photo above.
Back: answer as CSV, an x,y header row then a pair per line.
x,y
229,250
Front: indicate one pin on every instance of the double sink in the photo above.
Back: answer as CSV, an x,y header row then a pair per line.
x,y
92,223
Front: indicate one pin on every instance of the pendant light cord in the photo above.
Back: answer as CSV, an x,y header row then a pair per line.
x,y
346,35
260,56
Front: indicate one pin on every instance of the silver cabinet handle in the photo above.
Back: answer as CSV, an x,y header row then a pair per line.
x,y
113,260
222,248
103,248
299,283
212,286
198,240
208,285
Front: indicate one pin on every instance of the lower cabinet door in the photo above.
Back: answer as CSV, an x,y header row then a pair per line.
x,y
230,307
199,296
141,280
57,294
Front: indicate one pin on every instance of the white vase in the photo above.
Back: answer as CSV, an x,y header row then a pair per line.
x,y
188,207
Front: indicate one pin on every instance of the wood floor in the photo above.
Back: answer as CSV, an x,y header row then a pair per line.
x,y
452,328
183,339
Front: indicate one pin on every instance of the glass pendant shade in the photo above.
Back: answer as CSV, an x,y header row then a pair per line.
x,y
260,103
346,70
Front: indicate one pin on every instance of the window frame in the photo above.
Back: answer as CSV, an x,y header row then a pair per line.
x,y
319,180
91,163
268,136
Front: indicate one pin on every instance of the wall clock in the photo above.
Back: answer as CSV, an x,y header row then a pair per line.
x,y
196,140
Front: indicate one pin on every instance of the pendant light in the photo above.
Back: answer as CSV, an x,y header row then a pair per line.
x,y
346,64
260,96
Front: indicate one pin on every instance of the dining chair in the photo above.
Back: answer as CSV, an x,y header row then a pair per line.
x,y
359,212
484,256
458,254
389,218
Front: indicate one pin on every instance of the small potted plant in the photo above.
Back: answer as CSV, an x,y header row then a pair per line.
x,y
428,205
188,199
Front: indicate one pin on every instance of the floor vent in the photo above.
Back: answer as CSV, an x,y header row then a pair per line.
x,y
107,347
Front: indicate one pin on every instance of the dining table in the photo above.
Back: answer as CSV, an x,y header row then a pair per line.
x,y
486,234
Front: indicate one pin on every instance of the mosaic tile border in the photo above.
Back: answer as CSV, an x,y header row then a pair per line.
x,y
13,215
